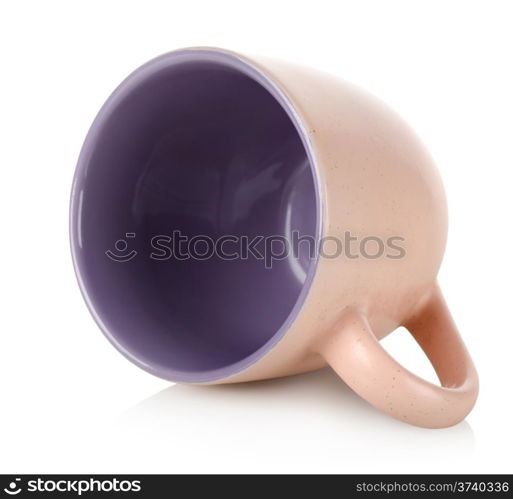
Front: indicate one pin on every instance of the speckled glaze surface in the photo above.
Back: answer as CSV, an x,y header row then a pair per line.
x,y
371,175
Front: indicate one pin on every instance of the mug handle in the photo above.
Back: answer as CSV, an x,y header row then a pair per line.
x,y
356,355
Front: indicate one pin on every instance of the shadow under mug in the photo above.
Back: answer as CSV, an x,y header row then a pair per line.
x,y
205,193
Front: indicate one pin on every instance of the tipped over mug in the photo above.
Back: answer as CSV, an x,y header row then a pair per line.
x,y
238,218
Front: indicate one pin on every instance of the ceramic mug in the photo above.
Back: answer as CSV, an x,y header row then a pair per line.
x,y
220,149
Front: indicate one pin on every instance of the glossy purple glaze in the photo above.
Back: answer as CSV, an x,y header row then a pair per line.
x,y
202,142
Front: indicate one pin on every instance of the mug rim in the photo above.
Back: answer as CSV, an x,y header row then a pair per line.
x,y
257,73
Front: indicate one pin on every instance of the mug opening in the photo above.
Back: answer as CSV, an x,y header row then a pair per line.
x,y
197,146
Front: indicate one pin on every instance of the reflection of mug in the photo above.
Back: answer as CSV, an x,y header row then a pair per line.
x,y
222,147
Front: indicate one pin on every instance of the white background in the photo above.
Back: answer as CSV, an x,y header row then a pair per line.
x,y
71,403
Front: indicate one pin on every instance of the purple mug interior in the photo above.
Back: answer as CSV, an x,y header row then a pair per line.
x,y
201,142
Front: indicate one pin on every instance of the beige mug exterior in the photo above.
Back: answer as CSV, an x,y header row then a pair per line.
x,y
374,178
